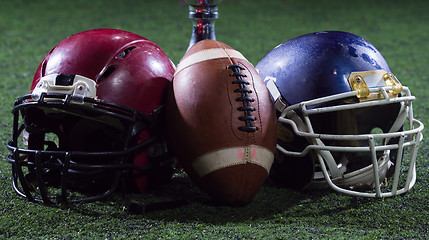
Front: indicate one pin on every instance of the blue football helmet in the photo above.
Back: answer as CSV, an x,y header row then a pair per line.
x,y
345,121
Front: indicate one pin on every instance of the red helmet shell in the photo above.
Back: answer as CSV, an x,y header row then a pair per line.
x,y
129,69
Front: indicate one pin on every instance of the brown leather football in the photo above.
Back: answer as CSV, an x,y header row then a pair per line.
x,y
221,122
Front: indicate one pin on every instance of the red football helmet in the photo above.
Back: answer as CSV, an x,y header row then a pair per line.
x,y
93,119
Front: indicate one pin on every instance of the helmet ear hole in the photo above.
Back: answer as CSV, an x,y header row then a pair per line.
x,y
124,53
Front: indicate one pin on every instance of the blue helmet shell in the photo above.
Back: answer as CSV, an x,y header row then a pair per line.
x,y
318,64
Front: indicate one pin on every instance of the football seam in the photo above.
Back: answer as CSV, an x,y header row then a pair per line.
x,y
244,98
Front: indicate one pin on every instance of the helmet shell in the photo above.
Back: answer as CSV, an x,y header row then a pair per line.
x,y
129,69
318,64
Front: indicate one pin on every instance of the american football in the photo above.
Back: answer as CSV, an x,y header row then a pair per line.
x,y
221,122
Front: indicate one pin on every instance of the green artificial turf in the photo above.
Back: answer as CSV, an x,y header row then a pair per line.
x,y
399,29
